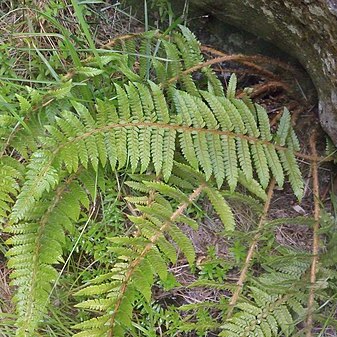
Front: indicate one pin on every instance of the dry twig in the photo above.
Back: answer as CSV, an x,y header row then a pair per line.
x,y
315,246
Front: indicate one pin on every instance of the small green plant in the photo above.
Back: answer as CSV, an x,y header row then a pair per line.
x,y
213,268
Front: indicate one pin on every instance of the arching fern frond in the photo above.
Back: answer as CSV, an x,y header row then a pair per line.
x,y
273,303
119,132
141,259
146,255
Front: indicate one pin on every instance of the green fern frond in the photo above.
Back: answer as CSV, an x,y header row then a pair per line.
x,y
10,173
330,149
38,245
231,87
198,132
268,311
290,166
139,263
41,177
283,128
222,208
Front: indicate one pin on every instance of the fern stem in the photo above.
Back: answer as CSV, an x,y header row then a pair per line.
x,y
206,64
184,128
262,88
251,68
315,246
178,212
249,257
252,58
223,58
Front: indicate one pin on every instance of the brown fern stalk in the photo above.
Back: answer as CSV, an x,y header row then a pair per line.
x,y
207,63
133,266
315,245
250,255
250,68
223,58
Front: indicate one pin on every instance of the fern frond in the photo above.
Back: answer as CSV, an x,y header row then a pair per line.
x,y
261,164
222,208
189,47
268,312
10,173
274,164
289,164
37,246
283,127
138,266
174,66
41,177
231,87
263,122
127,133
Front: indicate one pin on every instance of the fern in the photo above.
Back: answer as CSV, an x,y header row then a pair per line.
x,y
272,308
146,255
38,244
141,259
183,137
198,132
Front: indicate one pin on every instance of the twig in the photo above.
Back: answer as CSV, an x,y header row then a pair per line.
x,y
216,60
249,257
315,246
252,68
269,86
253,58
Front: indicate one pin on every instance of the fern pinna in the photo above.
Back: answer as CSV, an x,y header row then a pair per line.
x,y
183,134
